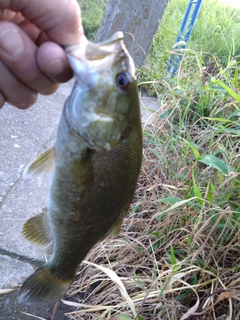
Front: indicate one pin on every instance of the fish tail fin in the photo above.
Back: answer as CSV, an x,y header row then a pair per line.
x,y
43,285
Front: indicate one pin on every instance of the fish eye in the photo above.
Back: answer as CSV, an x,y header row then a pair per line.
x,y
122,81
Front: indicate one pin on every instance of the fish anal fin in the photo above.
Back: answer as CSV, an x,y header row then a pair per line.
x,y
116,229
37,230
43,285
42,165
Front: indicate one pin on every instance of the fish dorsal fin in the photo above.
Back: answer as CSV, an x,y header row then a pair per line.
x,y
37,230
41,166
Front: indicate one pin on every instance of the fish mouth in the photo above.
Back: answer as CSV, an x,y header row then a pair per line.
x,y
87,59
92,51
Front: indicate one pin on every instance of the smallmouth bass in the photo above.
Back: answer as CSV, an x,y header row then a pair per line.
x,y
94,166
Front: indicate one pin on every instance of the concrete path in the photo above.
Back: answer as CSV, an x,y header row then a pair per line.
x,y
23,135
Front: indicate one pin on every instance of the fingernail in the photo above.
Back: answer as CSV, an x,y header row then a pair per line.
x,y
54,67
12,42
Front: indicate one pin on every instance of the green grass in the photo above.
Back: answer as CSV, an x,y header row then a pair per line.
x,y
215,37
92,15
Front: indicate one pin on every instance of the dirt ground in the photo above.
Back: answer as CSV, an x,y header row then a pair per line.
x,y
11,310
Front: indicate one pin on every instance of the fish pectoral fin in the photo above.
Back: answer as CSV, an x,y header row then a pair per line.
x,y
44,285
41,166
116,229
37,230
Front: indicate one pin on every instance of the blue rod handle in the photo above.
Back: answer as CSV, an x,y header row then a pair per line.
x,y
176,59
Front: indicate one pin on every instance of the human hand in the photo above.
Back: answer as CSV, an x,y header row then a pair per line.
x,y
32,60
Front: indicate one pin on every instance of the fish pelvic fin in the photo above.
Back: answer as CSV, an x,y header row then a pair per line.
x,y
37,230
116,229
42,165
43,285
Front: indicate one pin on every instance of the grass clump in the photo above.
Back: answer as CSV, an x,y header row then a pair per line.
x,y
92,15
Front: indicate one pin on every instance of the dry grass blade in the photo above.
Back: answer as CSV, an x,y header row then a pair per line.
x,y
33,316
3,291
226,294
114,277
194,308
87,307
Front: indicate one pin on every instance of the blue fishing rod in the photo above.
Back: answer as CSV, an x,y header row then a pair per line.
x,y
184,35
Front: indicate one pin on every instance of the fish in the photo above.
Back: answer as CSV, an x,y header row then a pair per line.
x,y
93,167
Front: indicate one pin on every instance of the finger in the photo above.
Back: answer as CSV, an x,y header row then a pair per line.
x,y
30,29
18,53
14,91
52,60
6,14
61,20
16,17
